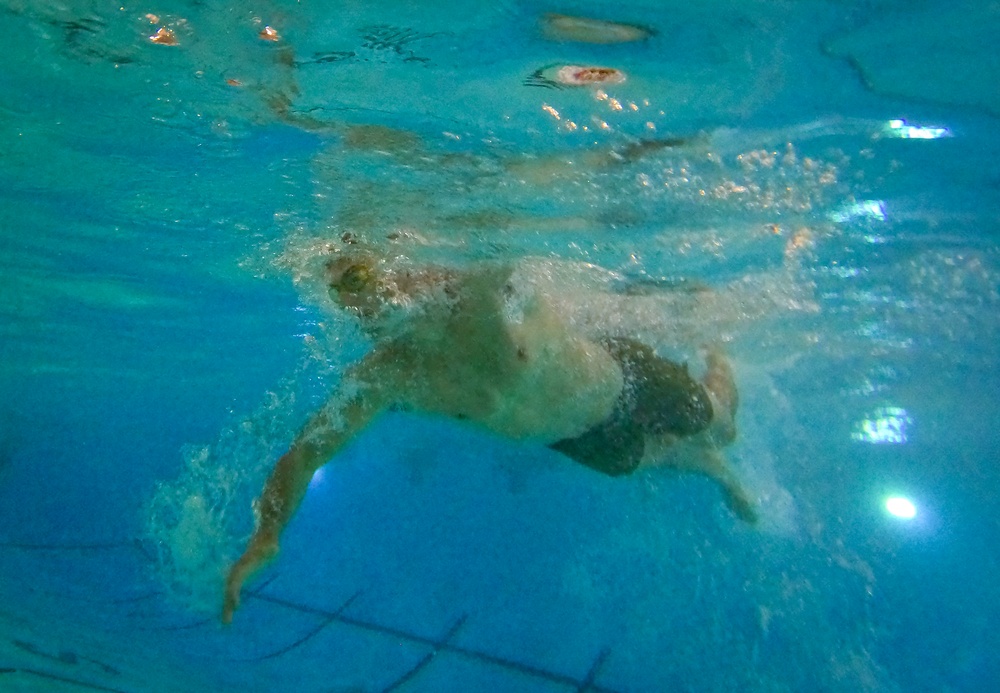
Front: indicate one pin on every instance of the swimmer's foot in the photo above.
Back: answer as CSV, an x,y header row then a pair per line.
x,y
741,505
714,465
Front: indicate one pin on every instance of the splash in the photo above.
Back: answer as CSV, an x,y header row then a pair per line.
x,y
196,523
189,524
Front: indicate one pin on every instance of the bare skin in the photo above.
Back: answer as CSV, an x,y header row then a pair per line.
x,y
480,350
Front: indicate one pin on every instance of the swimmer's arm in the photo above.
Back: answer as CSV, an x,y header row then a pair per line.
x,y
327,431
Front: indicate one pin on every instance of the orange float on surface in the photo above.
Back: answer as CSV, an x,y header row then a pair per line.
x,y
584,75
164,37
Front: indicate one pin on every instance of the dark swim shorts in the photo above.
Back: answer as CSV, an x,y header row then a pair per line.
x,y
659,397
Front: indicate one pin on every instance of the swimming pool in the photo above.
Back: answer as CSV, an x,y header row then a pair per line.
x,y
812,185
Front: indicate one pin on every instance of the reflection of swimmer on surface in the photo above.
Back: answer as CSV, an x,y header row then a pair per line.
x,y
280,93
563,27
482,346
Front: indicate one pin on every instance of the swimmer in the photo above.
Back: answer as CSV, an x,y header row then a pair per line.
x,y
482,345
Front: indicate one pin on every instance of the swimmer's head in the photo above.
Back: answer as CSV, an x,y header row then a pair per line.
x,y
384,292
355,279
353,282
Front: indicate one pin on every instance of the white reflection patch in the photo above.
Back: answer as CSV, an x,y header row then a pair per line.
x,y
885,425
866,209
317,478
900,507
900,128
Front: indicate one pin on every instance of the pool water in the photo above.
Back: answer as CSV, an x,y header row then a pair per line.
x,y
813,186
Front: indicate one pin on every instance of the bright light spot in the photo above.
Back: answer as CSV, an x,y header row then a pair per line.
x,y
866,209
900,128
317,478
885,425
901,507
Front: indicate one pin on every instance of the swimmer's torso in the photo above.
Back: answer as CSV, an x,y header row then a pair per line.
x,y
502,357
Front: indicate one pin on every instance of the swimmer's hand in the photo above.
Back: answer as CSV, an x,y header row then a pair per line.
x,y
260,552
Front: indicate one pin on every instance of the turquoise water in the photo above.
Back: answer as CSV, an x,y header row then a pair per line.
x,y
831,176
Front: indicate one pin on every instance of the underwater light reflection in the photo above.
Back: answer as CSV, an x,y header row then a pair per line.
x,y
901,507
317,478
900,128
885,425
866,209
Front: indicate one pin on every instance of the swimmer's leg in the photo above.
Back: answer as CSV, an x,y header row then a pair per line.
x,y
711,463
736,496
720,383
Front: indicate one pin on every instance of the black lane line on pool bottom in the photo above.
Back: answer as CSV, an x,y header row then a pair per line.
x,y
584,686
62,657
28,546
595,668
62,679
429,657
484,657
200,622
327,620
